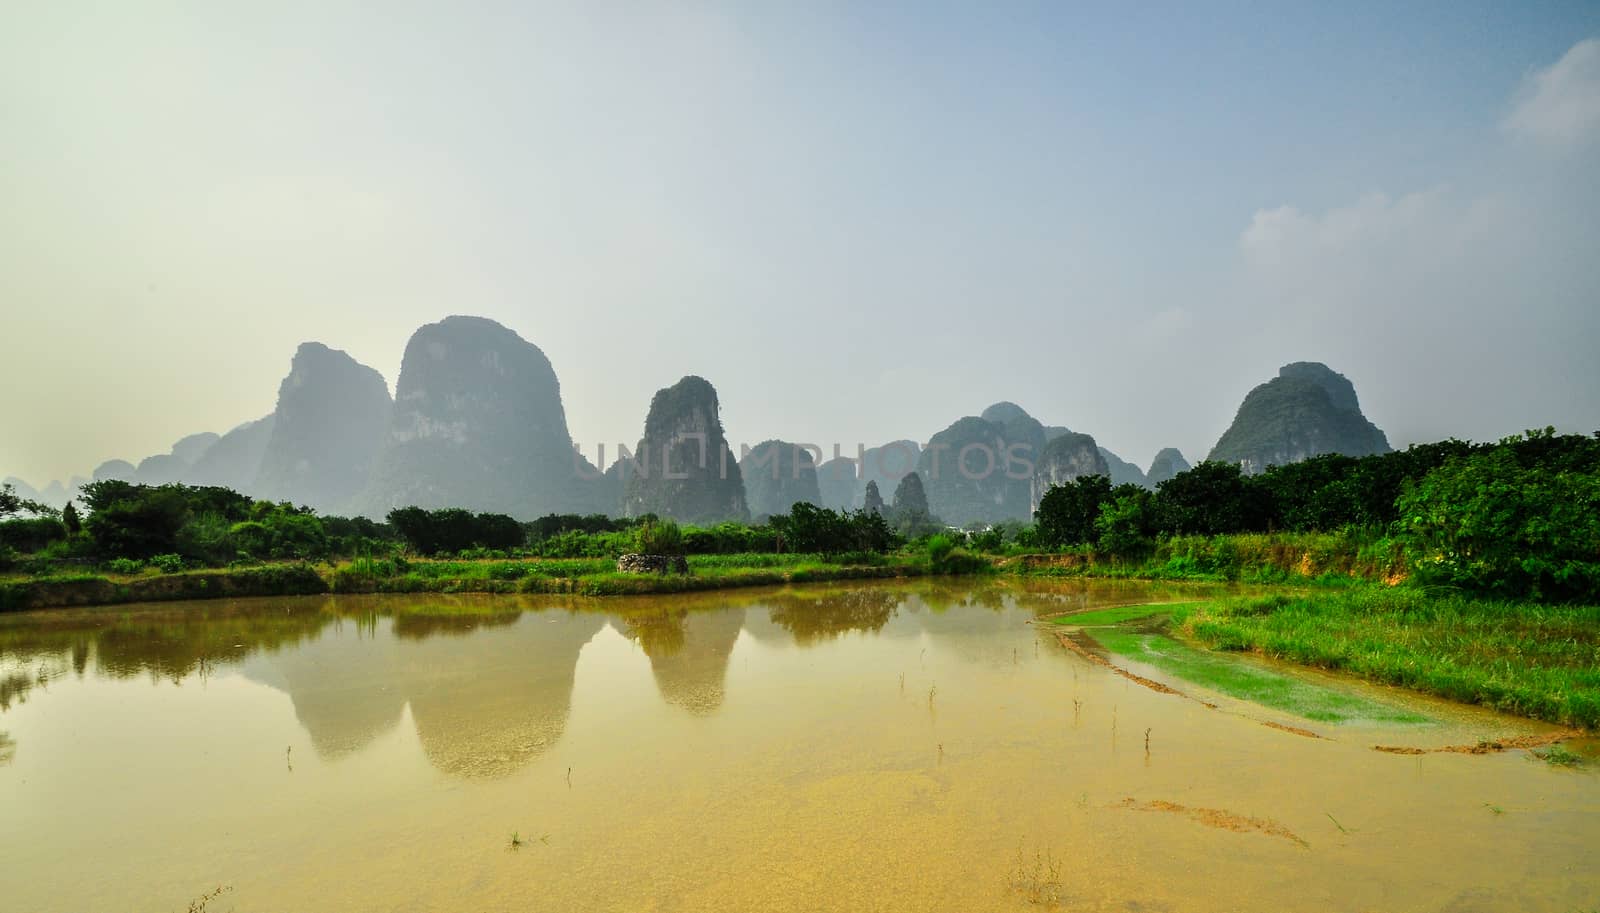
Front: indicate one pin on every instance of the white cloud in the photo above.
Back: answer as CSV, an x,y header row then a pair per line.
x,y
1560,105
1456,313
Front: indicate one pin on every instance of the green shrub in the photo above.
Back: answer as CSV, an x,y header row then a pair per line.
x,y
959,561
938,548
449,531
167,564
659,537
1489,524
124,565
31,534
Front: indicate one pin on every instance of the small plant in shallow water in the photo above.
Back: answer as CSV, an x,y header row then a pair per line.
x,y
1039,882
199,904
1558,755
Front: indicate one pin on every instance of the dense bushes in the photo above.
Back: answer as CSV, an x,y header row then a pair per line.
x,y
452,530
203,525
659,537
1067,512
135,521
31,534
1489,523
808,528
1515,518
552,525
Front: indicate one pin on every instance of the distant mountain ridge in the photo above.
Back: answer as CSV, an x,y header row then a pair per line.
x,y
478,422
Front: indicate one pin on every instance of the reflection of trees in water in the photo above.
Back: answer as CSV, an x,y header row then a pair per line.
x,y
31,656
14,688
168,644
425,624
174,645
810,618
943,596
8,749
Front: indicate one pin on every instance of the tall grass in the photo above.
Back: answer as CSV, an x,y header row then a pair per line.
x,y
1541,661
1328,558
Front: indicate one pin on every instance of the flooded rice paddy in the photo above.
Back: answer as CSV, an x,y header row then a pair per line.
x,y
899,747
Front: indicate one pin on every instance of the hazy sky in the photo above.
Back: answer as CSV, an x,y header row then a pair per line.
x,y
859,221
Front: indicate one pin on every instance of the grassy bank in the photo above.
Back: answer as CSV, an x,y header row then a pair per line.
x,y
577,576
1540,661
1338,558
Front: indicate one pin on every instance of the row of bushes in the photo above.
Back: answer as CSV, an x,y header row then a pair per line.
x,y
1520,518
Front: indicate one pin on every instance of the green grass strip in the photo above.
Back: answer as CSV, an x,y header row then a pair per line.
x,y
1540,661
1230,676
1120,614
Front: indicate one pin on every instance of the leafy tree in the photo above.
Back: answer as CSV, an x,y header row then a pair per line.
x,y
12,503
135,521
870,532
1210,499
281,532
1488,523
1313,494
809,528
31,533
452,530
358,535
1376,482
1126,522
209,538
70,518
1067,513
556,524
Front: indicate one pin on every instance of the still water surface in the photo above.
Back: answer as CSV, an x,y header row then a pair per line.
x,y
852,748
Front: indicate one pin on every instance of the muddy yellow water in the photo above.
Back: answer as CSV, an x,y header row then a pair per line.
x,y
865,748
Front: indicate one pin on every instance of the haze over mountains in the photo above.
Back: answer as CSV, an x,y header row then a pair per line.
x,y
478,421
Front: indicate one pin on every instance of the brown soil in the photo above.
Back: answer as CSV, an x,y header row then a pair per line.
x,y
1039,562
1216,817
1488,746
1097,659
1294,729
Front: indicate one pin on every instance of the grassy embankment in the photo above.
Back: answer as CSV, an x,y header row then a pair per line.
x,y
578,576
1332,559
1539,661
1278,558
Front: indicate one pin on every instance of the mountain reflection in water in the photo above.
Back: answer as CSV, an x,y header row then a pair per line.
x,y
488,679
